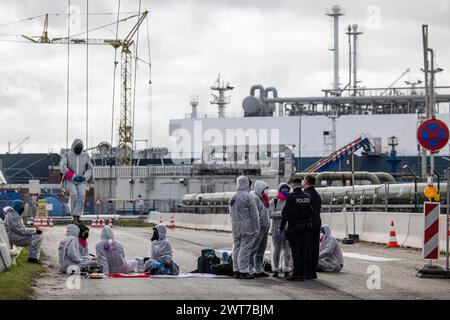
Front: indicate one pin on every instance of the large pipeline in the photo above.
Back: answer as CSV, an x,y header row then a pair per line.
x,y
399,193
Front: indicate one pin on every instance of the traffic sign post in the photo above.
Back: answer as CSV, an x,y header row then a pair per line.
x,y
433,134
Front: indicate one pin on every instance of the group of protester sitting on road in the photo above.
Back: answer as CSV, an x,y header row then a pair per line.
x,y
110,254
300,244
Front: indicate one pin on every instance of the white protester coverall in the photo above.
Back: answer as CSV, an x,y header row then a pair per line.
x,y
281,251
69,251
111,255
161,247
260,243
20,235
161,251
330,254
244,224
81,166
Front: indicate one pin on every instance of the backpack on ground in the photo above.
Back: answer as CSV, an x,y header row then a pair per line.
x,y
206,260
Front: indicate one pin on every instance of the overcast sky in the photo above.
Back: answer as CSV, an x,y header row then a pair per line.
x,y
280,43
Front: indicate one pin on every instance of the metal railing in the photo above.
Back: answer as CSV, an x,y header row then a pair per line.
x,y
140,172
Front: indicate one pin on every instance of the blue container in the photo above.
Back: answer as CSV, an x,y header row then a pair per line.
x,y
7,197
58,207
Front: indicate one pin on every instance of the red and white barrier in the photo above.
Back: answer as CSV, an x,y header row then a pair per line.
x,y
42,222
431,235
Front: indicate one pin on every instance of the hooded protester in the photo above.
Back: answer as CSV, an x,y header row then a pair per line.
x,y
69,252
330,256
160,246
19,234
281,251
82,238
260,242
111,255
77,169
244,226
161,260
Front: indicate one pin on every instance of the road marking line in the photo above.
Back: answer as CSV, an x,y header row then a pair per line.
x,y
353,255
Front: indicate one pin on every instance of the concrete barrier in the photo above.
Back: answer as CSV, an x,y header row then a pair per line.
x,y
371,226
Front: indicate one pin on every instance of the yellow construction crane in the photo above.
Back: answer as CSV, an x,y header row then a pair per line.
x,y
125,124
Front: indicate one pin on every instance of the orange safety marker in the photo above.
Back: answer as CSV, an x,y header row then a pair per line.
x,y
392,237
171,223
160,220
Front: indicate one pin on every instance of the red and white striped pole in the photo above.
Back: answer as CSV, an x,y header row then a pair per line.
x,y
431,235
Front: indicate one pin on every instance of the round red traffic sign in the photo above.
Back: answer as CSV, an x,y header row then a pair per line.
x,y
433,134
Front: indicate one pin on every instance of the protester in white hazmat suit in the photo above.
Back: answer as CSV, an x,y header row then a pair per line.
x,y
111,255
260,242
160,259
245,225
281,251
77,169
69,253
19,234
330,254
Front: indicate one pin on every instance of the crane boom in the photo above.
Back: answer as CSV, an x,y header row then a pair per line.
x,y
125,127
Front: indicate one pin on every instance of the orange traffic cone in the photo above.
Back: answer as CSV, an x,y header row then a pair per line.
x,y
36,222
103,223
392,237
94,223
171,223
160,220
110,224
50,222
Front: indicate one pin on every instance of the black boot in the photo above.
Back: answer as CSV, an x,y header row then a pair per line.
x,y
236,275
246,276
286,275
275,275
76,220
33,260
295,278
261,275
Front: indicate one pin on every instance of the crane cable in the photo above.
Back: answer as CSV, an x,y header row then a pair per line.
x,y
150,96
134,102
61,14
87,74
68,76
113,101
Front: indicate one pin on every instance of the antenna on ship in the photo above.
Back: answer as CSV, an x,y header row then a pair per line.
x,y
221,100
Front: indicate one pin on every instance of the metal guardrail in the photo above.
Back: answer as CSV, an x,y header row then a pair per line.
x,y
140,172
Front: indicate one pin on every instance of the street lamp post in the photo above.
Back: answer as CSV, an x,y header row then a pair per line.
x,y
354,236
416,202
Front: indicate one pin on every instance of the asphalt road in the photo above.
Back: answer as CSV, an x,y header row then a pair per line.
x,y
397,269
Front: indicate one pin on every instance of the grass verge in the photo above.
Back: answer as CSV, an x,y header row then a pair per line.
x,y
133,223
16,282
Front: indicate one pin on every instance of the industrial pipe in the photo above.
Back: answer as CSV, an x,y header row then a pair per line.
x,y
341,176
268,90
385,177
257,87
